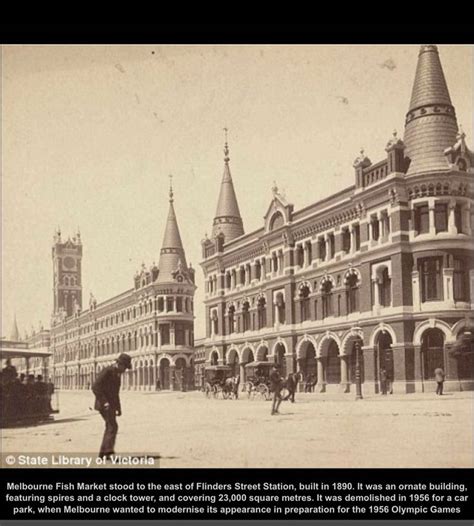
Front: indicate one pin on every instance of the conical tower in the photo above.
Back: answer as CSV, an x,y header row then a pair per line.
x,y
430,125
15,333
227,219
172,256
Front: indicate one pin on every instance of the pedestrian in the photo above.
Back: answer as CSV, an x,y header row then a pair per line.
x,y
9,372
291,385
275,387
107,401
383,380
439,377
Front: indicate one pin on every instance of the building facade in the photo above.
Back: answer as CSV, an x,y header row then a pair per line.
x,y
153,321
387,262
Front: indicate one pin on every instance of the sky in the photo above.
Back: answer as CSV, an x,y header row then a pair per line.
x,y
90,135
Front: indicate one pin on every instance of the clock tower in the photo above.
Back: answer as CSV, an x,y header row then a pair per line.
x,y
67,279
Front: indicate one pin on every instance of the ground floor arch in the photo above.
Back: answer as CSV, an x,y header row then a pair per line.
x,y
307,362
262,353
432,352
279,354
333,363
165,374
233,361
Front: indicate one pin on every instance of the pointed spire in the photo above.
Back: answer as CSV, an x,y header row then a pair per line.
x,y
227,219
15,334
172,251
430,125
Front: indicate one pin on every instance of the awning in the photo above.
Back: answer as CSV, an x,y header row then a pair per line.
x,y
21,351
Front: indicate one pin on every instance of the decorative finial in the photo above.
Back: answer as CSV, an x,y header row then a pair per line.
x,y
461,134
274,188
171,188
394,134
362,152
226,147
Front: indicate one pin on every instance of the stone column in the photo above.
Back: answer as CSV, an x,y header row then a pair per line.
x,y
466,219
242,376
172,336
344,373
451,217
328,247
172,371
448,289
415,281
152,378
432,218
321,385
376,306
370,384
353,239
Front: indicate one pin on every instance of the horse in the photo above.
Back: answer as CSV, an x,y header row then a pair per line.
x,y
291,385
231,386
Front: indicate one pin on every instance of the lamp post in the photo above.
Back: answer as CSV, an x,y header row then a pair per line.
x,y
357,348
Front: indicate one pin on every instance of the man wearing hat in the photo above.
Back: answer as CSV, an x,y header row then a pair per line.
x,y
276,384
107,400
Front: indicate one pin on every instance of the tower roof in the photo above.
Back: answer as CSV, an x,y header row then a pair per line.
x,y
15,334
227,219
430,125
172,256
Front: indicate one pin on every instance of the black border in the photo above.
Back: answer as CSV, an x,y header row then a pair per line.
x,y
236,33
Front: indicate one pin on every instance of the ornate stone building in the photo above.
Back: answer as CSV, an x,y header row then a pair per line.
x,y
152,321
388,261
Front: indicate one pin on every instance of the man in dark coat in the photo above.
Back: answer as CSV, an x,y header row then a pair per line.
x,y
439,377
275,387
107,401
291,385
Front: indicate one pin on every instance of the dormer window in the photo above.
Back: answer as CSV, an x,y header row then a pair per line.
x,y
276,221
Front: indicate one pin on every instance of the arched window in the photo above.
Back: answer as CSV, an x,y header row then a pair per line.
x,y
276,221
385,288
262,312
352,293
304,302
460,281
258,270
300,256
431,279
231,316
326,297
246,316
214,358
215,322
280,304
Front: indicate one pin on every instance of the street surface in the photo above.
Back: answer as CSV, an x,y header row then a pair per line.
x,y
319,430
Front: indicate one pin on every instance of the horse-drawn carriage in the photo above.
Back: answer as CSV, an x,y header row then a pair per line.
x,y
219,382
257,382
